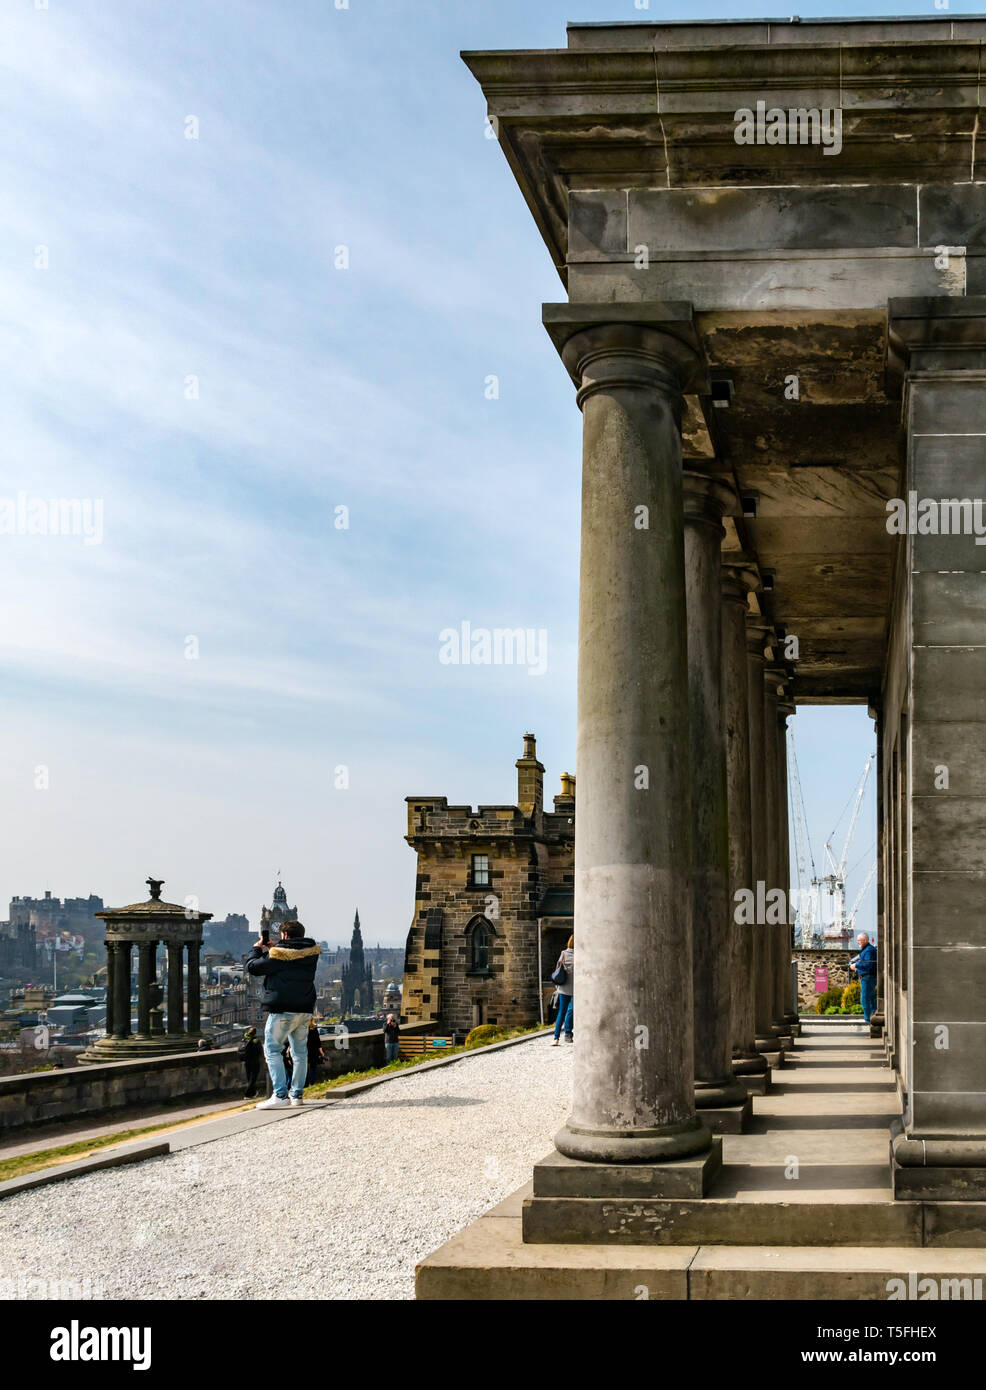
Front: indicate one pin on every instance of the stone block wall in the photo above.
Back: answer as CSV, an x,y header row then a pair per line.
x,y
837,964
50,1097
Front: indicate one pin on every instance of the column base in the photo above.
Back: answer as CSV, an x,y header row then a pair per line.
x,y
757,1083
940,1170
712,1095
672,1143
729,1119
877,1024
770,1050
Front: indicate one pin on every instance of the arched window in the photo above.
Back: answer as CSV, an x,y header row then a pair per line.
x,y
480,935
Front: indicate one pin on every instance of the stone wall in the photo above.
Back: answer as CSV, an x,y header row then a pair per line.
x,y
835,962
50,1097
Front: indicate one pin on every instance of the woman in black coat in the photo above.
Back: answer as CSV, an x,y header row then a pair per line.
x,y
315,1054
250,1052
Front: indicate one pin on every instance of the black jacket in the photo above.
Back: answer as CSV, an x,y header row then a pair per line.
x,y
289,975
249,1051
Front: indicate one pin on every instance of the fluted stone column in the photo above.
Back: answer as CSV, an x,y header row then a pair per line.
x,y
757,631
785,709
633,1063
145,962
121,1019
737,580
717,1090
110,988
778,932
194,983
175,1004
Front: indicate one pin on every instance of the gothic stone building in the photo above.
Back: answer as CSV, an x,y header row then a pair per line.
x,y
357,977
493,903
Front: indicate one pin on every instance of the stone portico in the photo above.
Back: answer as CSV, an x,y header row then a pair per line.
x,y
769,343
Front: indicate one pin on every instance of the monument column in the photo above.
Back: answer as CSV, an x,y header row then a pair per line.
x,y
193,986
722,1100
633,1064
175,988
110,988
777,930
737,580
145,963
121,1017
765,1038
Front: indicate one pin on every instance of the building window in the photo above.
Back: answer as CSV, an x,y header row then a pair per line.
x,y
479,874
480,947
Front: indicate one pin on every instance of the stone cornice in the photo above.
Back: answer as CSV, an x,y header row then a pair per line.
x,y
646,116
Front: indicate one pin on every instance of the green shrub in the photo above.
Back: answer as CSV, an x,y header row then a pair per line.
x,y
850,995
485,1033
829,1001
833,1010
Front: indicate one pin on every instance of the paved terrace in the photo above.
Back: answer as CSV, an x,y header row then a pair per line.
x,y
344,1201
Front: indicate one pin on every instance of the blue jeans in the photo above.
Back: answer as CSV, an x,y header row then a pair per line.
x,y
867,995
564,1019
294,1029
392,1051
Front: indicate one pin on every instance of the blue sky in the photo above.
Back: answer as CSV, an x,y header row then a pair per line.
x,y
191,357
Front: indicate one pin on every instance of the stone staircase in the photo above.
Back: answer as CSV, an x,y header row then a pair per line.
x,y
801,1208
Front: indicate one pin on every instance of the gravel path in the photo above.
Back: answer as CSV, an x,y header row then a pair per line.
x,y
340,1203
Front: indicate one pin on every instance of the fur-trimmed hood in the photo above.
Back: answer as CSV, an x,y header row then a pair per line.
x,y
295,950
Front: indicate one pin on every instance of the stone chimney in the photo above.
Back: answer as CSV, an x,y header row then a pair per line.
x,y
530,782
565,800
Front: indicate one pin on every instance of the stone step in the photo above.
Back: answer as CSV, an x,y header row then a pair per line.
x,y
489,1261
721,1221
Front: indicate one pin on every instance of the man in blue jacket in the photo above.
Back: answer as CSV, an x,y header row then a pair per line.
x,y
288,970
865,967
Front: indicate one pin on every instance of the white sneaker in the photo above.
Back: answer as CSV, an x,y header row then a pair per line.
x,y
556,1042
297,1100
275,1103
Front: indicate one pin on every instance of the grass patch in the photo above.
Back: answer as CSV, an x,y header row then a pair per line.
x,y
22,1164
406,1064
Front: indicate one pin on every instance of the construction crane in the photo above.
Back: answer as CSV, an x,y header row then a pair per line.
x,y
834,882
805,921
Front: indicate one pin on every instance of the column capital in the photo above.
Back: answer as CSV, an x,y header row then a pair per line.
x,y
759,633
707,498
653,346
785,708
775,678
740,577
937,334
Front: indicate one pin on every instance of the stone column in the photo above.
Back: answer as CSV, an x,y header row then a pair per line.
x,y
633,1064
175,1006
193,986
145,963
773,681
110,988
785,709
720,1098
766,1040
121,1018
737,580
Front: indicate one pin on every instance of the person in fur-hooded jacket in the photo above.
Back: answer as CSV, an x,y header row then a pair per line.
x,y
288,971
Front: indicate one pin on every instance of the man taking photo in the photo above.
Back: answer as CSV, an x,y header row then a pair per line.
x,y
288,971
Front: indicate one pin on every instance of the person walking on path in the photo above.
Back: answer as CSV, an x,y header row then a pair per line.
x,y
315,1054
564,978
392,1038
288,971
249,1052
